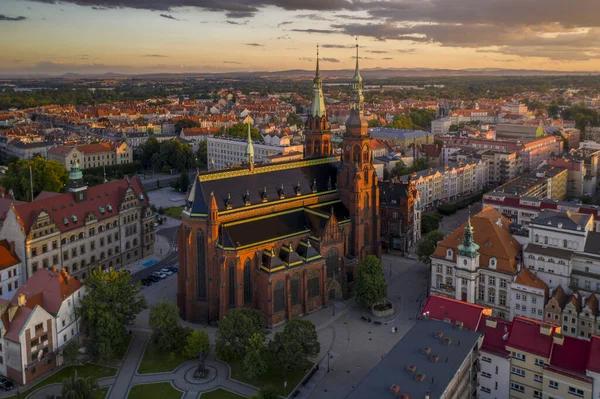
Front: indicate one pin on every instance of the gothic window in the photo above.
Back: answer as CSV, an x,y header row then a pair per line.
x,y
200,265
366,205
248,281
231,278
279,297
317,147
332,261
356,154
295,289
365,154
366,234
313,285
366,175
325,147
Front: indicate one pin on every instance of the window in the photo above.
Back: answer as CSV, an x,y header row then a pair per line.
x,y
439,268
519,356
313,285
295,288
481,293
524,297
486,390
517,387
492,280
248,282
537,394
486,375
538,378
524,308
502,283
576,392
279,297
518,296
502,298
518,306
491,296
449,270
517,371
232,284
482,279
533,299
39,327
553,384
332,262
486,359
200,263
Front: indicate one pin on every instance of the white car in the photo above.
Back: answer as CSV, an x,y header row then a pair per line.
x,y
159,275
166,271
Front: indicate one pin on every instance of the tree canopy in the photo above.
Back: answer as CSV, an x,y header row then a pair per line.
x,y
235,329
185,124
240,130
75,387
47,176
196,342
166,155
370,284
427,245
164,322
400,169
295,344
254,360
111,304
294,119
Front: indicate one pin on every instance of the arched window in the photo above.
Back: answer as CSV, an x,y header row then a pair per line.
x,y
561,262
248,281
540,258
439,280
317,147
63,241
81,235
367,234
72,238
366,205
295,289
531,257
332,262
231,279
492,262
200,265
326,147
356,154
550,260
449,254
313,285
365,154
279,297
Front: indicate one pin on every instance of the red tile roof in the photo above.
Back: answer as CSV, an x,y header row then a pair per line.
x,y
494,340
95,148
8,257
47,288
571,355
527,337
14,327
593,358
441,308
63,205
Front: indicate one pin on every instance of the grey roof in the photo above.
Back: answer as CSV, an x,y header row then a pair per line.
x,y
549,251
567,220
392,369
592,243
396,134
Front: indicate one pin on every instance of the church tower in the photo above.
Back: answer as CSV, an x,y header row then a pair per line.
x,y
467,264
317,136
357,180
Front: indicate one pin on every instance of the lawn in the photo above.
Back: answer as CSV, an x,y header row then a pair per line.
x,y
273,377
220,394
155,361
101,393
161,390
86,370
174,212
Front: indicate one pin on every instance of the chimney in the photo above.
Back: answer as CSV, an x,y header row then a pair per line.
x,y
546,329
489,322
21,301
558,339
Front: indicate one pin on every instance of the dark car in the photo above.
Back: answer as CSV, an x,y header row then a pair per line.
x,y
6,384
174,269
153,278
146,281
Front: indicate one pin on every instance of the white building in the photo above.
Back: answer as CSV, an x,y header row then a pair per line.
x,y
493,359
230,151
10,270
528,296
440,126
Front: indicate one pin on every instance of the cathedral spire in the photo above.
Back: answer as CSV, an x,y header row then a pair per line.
x,y
249,147
357,104
357,77
318,101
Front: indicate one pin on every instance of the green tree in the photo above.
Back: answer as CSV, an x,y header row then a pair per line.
x,y
267,392
240,130
164,322
374,122
400,169
71,352
78,387
427,246
420,164
234,332
254,361
196,342
402,121
369,284
202,156
429,222
183,182
185,124
294,119
421,118
147,150
295,344
111,304
47,176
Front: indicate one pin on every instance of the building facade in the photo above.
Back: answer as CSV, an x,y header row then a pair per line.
x,y
400,212
92,155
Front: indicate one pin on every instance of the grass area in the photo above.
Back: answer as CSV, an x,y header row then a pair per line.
x,y
101,393
156,361
161,390
220,393
86,370
273,377
174,212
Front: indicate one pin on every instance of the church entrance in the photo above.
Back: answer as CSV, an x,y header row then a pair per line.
x,y
334,291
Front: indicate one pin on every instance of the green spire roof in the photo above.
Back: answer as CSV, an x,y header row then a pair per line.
x,y
357,78
249,146
468,247
75,173
318,101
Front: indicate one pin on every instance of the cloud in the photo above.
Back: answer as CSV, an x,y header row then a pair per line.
x,y
236,23
240,14
232,62
284,37
313,17
279,25
377,51
254,44
387,58
12,19
337,46
327,59
407,50
353,17
154,56
315,30
169,17
306,59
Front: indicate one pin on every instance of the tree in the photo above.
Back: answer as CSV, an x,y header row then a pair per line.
x,y
78,387
202,155
374,122
240,130
429,222
147,150
185,124
111,304
294,119
427,245
402,121
254,360
234,332
370,284
183,182
420,164
295,344
400,169
164,322
71,352
196,342
47,176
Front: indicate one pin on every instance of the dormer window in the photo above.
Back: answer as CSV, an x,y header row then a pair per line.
x,y
74,218
449,254
492,263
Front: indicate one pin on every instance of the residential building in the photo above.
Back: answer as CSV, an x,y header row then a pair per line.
x,y
472,115
434,359
546,183
39,320
138,139
10,270
477,262
582,165
519,132
515,108
503,165
494,359
440,126
226,152
553,310
402,139
528,296
449,182
27,150
400,213
92,155
107,226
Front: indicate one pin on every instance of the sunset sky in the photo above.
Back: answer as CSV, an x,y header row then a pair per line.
x,y
139,36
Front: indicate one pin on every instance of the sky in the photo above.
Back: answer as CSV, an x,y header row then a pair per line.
x,y
147,36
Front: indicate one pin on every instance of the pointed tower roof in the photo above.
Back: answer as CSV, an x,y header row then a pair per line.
x,y
468,247
318,101
249,145
75,173
357,78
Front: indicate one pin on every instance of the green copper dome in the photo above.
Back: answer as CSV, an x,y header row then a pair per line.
x,y
75,173
468,247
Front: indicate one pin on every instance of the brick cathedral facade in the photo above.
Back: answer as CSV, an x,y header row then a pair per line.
x,y
283,238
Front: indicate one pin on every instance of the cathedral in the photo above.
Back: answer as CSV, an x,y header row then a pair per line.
x,y
284,238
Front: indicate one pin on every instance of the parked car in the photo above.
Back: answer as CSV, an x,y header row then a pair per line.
x,y
153,278
166,271
6,384
174,269
159,275
146,281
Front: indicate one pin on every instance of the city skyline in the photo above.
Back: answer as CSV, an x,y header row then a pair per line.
x,y
151,36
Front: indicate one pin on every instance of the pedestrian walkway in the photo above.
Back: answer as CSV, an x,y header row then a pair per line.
x,y
129,368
